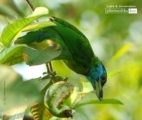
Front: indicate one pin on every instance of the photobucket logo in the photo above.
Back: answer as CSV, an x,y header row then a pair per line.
x,y
132,10
119,9
116,11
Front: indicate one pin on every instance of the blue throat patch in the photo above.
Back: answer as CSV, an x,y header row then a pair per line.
x,y
96,72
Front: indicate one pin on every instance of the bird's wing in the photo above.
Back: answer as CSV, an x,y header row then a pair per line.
x,y
76,49
77,44
43,39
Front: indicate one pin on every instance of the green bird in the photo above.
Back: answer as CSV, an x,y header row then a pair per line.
x,y
76,53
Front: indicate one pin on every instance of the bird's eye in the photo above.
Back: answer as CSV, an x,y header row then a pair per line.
x,y
103,80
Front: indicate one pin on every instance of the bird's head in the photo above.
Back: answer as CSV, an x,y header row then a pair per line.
x,y
97,75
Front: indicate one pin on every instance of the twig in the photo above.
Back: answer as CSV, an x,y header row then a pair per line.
x,y
30,5
48,65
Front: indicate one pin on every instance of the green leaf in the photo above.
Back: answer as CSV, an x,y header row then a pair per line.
x,y
37,57
45,81
105,101
1,47
75,97
40,11
13,87
41,83
86,86
122,51
13,29
12,55
79,92
6,10
38,25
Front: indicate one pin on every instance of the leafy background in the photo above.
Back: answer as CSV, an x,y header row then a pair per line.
x,y
116,39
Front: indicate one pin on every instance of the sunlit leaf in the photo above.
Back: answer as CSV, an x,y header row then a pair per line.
x,y
120,52
38,25
105,101
79,92
11,30
37,57
40,11
1,47
75,97
12,55
14,113
86,85
14,91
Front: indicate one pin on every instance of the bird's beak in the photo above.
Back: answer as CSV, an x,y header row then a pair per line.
x,y
99,91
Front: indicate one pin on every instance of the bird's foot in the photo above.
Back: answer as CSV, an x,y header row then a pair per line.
x,y
48,75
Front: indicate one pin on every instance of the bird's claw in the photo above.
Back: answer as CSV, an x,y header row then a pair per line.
x,y
48,75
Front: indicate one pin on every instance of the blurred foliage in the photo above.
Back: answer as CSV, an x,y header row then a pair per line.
x,y
108,34
13,86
